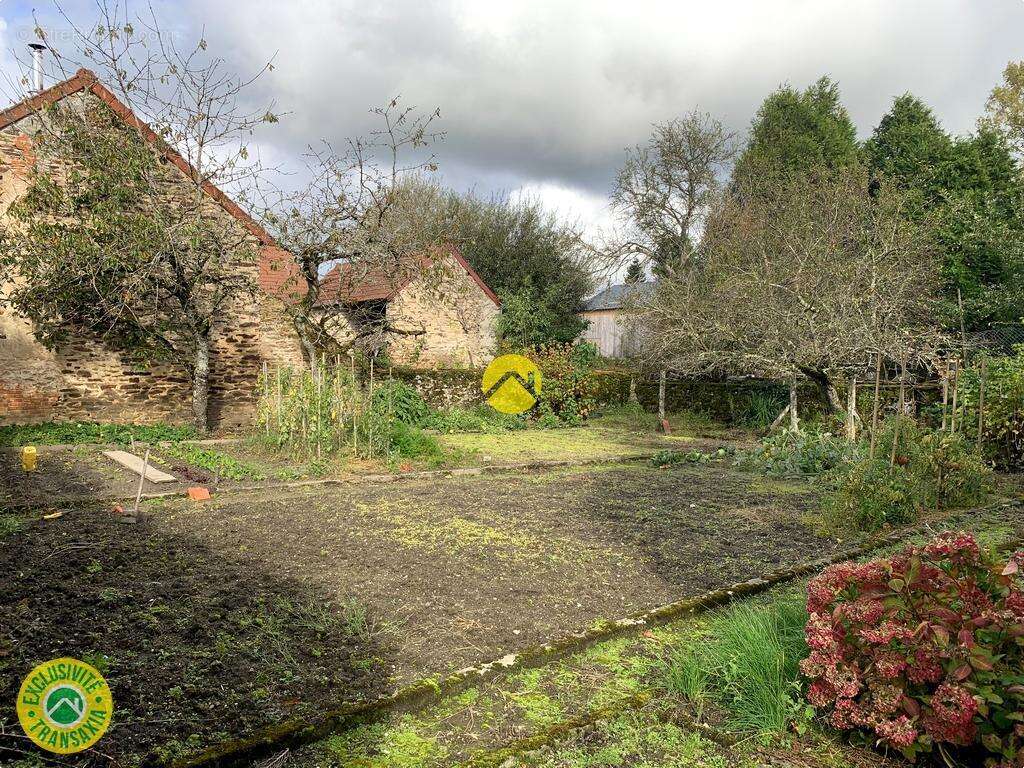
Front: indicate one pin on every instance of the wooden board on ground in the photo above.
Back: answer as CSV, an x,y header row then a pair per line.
x,y
132,462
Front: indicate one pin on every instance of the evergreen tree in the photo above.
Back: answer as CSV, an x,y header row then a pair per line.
x,y
968,191
795,132
634,272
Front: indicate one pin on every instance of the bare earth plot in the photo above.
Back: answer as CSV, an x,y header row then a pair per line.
x,y
213,619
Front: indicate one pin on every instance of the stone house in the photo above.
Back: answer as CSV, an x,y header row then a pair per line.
x,y
431,311
86,379
443,309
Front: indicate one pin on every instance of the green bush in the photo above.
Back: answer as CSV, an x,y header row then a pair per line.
x,y
480,419
81,432
929,470
762,409
794,454
409,442
567,387
1003,426
401,401
747,664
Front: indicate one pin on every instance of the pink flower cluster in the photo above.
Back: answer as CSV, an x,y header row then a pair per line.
x,y
921,649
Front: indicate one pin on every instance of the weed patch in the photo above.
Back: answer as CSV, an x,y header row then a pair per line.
x,y
746,665
83,432
214,462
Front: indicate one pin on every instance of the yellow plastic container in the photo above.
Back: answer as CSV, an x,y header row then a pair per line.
x,y
28,458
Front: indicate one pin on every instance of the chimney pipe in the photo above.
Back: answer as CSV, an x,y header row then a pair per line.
x,y
37,65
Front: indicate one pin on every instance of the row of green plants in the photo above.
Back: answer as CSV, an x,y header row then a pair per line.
x,y
218,464
921,652
327,412
1002,434
89,432
910,469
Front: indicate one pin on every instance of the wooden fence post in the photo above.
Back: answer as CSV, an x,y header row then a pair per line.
x,y
981,401
874,406
661,397
794,419
851,408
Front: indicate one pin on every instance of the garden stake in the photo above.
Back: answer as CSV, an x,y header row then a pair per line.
x,y
851,409
945,395
142,480
661,395
981,402
280,425
369,405
874,407
956,386
318,393
794,419
338,410
352,400
963,332
899,418
266,394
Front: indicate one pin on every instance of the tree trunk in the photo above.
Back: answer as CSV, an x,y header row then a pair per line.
x,y
201,385
827,388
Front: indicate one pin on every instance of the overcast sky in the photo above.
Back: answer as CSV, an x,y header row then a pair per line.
x,y
544,96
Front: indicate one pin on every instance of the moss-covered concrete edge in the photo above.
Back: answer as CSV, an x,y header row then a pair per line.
x,y
297,732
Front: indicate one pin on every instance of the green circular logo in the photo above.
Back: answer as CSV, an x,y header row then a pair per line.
x,y
64,706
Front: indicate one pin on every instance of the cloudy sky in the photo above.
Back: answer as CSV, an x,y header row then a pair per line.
x,y
542,96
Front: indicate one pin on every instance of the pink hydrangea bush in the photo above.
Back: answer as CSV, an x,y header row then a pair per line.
x,y
924,650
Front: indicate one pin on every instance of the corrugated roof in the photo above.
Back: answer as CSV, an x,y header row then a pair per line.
x,y
615,296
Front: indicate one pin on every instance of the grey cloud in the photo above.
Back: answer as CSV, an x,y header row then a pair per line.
x,y
534,92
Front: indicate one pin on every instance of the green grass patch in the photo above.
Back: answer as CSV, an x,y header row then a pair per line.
x,y
746,664
84,432
218,463
10,524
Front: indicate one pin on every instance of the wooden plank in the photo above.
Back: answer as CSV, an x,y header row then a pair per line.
x,y
133,463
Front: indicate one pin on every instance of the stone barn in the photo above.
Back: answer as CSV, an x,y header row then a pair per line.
x,y
87,380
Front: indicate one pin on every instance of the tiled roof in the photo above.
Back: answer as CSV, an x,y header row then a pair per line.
x,y
86,80
352,283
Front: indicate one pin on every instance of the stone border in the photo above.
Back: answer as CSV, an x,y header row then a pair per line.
x,y
491,469
297,732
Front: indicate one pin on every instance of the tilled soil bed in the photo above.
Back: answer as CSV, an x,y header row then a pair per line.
x,y
212,619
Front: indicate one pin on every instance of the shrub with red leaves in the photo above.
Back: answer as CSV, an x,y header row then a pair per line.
x,y
924,650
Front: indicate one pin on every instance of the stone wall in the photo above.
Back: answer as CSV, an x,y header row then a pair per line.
x,y
444,387
86,379
725,401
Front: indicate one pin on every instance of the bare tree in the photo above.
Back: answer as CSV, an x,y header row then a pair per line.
x,y
349,218
805,281
150,259
667,189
